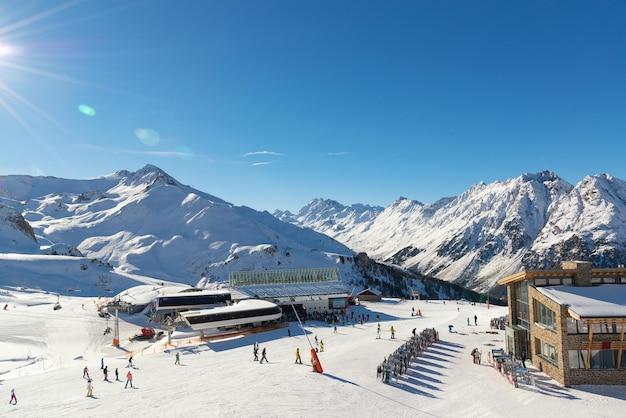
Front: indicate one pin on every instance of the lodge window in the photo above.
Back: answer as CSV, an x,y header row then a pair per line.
x,y
521,304
546,351
580,327
544,316
600,359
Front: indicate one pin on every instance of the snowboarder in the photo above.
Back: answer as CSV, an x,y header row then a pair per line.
x,y
450,327
85,373
322,346
105,371
475,320
117,375
89,389
102,363
129,379
263,356
298,358
413,332
130,361
13,400
177,359
378,332
255,351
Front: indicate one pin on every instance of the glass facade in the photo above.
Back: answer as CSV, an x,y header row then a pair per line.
x,y
579,327
600,359
520,290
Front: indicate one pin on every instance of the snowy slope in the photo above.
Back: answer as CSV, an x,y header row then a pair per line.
x,y
494,229
44,351
148,222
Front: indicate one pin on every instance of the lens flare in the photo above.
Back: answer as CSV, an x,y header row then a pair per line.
x,y
6,50
87,110
148,137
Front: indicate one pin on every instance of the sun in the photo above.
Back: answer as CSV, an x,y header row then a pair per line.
x,y
6,50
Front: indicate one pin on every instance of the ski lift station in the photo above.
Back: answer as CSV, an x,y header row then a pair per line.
x,y
308,290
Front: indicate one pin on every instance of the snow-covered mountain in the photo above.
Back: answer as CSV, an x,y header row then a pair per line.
x,y
147,222
495,229
331,217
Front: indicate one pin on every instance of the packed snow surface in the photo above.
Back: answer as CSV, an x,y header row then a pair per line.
x,y
44,351
603,301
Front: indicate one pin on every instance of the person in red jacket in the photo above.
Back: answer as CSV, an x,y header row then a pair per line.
x,y
129,379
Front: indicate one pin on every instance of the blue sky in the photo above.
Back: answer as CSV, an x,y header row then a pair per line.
x,y
272,103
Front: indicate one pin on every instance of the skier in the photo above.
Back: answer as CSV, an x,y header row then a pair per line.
x,y
378,332
129,379
85,373
255,351
419,313
450,327
106,373
393,332
322,346
6,306
130,361
475,320
298,358
289,332
89,389
13,400
474,354
468,322
177,359
102,363
412,311
413,332
263,356
316,341
335,329
117,375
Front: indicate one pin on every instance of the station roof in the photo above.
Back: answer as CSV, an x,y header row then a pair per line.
x,y
532,274
275,291
603,301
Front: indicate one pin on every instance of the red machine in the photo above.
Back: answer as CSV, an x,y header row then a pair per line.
x,y
146,334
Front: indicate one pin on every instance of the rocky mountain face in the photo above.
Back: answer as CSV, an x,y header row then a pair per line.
x,y
149,223
491,230
16,234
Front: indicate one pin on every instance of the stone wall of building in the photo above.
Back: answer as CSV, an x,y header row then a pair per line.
x,y
558,371
597,377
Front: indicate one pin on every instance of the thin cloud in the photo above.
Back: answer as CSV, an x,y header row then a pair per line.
x,y
337,154
260,163
264,152
164,154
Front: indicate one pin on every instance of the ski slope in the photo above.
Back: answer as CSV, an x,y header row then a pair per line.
x,y
220,378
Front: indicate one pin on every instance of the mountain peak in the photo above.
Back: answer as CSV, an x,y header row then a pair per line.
x,y
149,175
541,176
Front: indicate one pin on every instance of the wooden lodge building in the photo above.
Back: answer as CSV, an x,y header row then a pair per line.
x,y
570,322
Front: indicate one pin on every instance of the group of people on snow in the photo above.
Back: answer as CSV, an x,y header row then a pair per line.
x,y
398,362
105,373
